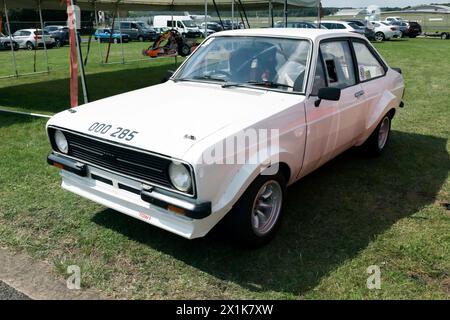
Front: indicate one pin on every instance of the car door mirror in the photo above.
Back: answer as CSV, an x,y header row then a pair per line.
x,y
331,94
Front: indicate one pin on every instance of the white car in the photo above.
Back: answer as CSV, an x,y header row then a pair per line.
x,y
384,31
250,112
389,20
342,25
32,38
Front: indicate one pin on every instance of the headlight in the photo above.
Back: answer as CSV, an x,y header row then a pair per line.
x,y
180,176
61,142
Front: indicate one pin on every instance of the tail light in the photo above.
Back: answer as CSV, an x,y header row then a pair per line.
x,y
393,29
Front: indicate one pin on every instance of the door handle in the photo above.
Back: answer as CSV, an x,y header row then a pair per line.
x,y
359,94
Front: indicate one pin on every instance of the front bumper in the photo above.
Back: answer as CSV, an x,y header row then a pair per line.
x,y
172,212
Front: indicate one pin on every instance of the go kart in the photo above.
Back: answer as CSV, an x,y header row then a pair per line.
x,y
169,43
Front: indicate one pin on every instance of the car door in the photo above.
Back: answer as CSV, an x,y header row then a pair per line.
x,y
19,37
371,72
333,126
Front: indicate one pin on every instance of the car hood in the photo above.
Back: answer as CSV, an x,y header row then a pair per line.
x,y
170,118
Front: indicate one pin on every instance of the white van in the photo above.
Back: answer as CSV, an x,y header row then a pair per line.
x,y
183,24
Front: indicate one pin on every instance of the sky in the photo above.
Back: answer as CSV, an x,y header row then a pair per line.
x,y
381,3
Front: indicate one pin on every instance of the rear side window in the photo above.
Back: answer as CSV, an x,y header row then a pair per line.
x,y
368,65
338,64
340,26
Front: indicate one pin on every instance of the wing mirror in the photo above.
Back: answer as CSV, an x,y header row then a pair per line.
x,y
332,94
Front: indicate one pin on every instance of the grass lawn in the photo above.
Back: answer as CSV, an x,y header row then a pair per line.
x,y
349,215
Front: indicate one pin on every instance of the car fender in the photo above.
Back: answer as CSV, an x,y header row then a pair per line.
x,y
387,102
231,187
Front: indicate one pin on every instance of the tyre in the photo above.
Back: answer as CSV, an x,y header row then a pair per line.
x,y
116,40
184,50
29,45
255,218
58,43
379,36
378,140
141,39
444,36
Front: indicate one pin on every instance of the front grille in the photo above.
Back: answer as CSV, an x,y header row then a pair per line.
x,y
135,164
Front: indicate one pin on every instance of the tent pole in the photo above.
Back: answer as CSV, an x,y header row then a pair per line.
x,y
206,18
80,59
96,26
232,14
218,14
285,14
245,13
271,13
43,35
319,13
121,38
10,39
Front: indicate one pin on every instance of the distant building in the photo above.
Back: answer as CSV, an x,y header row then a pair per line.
x,y
350,12
430,8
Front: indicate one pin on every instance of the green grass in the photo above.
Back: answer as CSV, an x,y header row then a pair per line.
x,y
350,214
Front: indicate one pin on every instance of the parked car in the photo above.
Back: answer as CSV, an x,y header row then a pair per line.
x,y
389,20
5,43
183,24
59,33
296,24
160,31
369,30
104,34
343,25
136,30
177,165
32,38
384,31
216,27
409,29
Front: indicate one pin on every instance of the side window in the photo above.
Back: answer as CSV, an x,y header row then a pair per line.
x,y
170,24
319,78
368,65
338,64
26,33
340,26
134,26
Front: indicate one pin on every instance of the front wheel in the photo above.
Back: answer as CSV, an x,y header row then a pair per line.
x,y
444,36
256,217
379,139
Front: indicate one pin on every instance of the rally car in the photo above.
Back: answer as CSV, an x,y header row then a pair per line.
x,y
249,113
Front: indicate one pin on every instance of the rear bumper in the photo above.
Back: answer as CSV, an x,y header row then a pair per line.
x,y
175,214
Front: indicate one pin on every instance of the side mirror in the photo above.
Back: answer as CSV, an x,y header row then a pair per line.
x,y
169,74
332,94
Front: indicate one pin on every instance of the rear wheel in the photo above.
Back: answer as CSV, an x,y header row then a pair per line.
x,y
256,217
141,38
116,40
444,36
58,43
379,139
379,36
29,45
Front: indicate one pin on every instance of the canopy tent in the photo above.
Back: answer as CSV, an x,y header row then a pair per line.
x,y
180,5
142,5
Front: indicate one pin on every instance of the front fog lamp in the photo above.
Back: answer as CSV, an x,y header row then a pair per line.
x,y
61,142
180,176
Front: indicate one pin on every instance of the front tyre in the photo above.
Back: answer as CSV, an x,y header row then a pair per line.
x,y
256,217
379,139
379,36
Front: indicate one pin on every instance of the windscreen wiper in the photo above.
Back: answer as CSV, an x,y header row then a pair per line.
x,y
200,78
268,84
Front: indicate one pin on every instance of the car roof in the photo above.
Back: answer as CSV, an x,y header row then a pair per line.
x,y
313,34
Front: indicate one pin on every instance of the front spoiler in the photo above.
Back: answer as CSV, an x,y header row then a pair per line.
x,y
152,195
